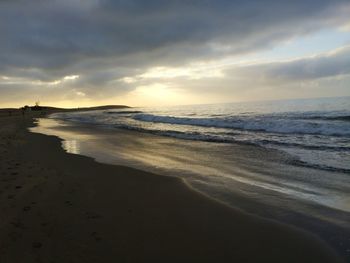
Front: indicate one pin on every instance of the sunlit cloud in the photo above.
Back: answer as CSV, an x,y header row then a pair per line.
x,y
79,93
195,71
25,81
345,28
71,77
129,79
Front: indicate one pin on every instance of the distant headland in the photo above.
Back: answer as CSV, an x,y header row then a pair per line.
x,y
48,109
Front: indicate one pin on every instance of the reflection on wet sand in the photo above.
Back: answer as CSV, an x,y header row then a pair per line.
x,y
71,146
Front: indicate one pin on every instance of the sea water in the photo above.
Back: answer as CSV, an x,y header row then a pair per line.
x,y
316,132
284,160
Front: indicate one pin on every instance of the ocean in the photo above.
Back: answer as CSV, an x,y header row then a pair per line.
x,y
287,160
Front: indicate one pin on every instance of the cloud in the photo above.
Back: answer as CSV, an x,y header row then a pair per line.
x,y
326,74
56,34
331,64
103,41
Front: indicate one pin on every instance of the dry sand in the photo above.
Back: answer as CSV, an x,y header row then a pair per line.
x,y
59,207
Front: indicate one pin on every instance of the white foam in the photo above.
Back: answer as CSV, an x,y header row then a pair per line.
x,y
257,123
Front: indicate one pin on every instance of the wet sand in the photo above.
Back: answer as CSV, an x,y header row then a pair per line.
x,y
60,207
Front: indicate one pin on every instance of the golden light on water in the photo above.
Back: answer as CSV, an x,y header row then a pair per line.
x,y
71,146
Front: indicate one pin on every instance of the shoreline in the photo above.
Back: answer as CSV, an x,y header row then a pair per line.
x,y
69,207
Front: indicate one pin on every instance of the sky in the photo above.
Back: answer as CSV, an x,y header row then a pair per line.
x,y
75,53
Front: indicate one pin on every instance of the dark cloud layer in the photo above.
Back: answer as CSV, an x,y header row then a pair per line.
x,y
322,66
102,40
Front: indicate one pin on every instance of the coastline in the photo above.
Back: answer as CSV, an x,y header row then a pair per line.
x,y
67,207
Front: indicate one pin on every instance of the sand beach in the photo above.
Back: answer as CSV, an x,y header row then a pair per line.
x,y
60,207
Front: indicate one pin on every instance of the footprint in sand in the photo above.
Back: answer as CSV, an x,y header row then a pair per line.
x,y
95,236
26,208
17,224
92,215
68,203
37,245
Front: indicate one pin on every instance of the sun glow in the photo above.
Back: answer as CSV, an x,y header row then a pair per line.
x,y
191,72
157,94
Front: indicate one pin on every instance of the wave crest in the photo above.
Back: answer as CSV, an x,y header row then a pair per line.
x,y
258,123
